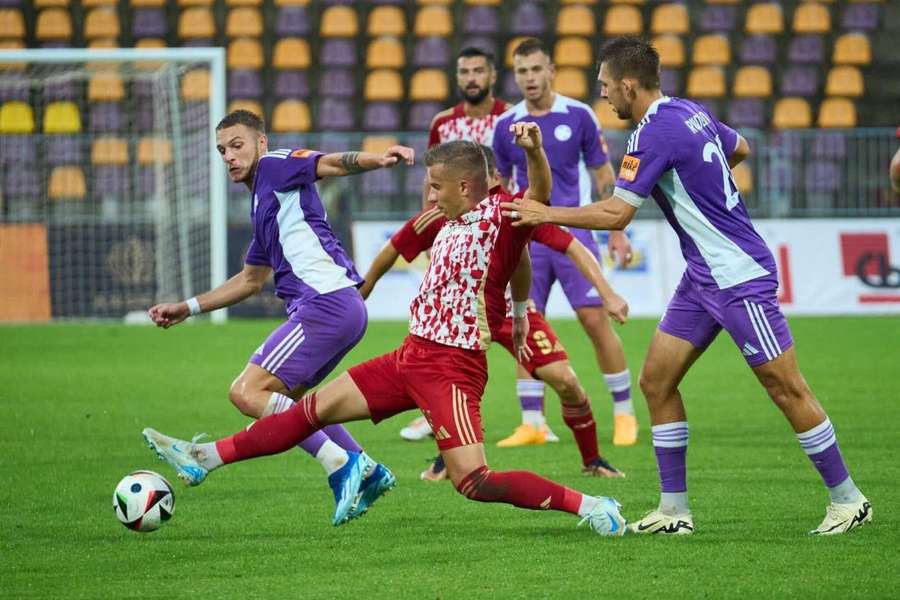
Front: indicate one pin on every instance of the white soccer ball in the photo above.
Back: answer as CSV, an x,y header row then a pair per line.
x,y
144,501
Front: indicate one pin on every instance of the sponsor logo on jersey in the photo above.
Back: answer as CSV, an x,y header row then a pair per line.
x,y
629,169
301,153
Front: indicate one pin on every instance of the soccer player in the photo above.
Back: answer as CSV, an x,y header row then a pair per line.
x,y
441,367
574,146
681,156
316,280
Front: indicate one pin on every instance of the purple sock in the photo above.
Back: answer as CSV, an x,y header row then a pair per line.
x,y
531,394
820,444
340,436
670,444
312,444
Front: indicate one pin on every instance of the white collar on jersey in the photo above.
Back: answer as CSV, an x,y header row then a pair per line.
x,y
654,106
560,105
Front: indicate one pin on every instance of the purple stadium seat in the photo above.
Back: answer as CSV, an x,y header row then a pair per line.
x,y
381,116
6,3
421,114
758,50
509,90
56,44
16,150
197,43
713,106
717,18
830,146
244,84
21,183
61,89
195,112
786,144
291,84
109,180
431,52
149,22
746,112
286,140
807,49
487,44
142,115
337,83
860,17
417,141
669,82
414,178
336,115
481,20
292,21
105,117
822,176
528,19
63,150
13,88
338,53
382,182
388,1
799,81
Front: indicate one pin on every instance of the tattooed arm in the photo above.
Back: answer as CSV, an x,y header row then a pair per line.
x,y
351,163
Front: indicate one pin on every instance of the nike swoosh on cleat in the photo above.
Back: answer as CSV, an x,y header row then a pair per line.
x,y
642,527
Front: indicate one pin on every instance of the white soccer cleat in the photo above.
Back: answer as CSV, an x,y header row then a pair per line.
x,y
658,522
605,518
181,455
417,430
841,518
549,436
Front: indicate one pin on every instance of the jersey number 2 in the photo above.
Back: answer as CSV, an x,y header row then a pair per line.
x,y
732,196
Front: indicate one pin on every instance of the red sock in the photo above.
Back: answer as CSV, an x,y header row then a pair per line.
x,y
580,420
273,434
519,488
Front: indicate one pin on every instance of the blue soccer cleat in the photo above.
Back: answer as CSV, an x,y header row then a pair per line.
x,y
183,456
380,482
346,483
605,518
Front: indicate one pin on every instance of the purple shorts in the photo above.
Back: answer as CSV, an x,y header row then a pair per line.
x,y
314,339
549,265
749,312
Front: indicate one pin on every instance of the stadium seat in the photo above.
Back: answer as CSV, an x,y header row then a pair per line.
x,y
16,117
153,150
860,17
488,44
105,117
508,89
481,20
511,46
149,23
483,2
339,83
291,115
62,89
338,53
823,177
147,3
67,183
706,82
623,20
844,81
291,2
670,49
149,65
101,23
852,49
575,20
109,151
10,44
758,50
339,21
246,104
291,53
245,53
244,21
718,19
183,3
386,20
571,82
528,18
291,84
837,112
743,177
378,144
746,112
14,88
799,80
431,52
336,115
106,86
39,4
384,85
670,18
95,3
670,81
195,85
420,116
53,24
428,84
291,21
608,119
711,49
385,52
792,113
752,82
433,20
254,3
811,17
381,116
764,18
63,150
196,23
573,52
806,49
12,24
244,84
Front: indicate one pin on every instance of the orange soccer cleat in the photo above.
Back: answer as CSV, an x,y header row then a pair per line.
x,y
524,435
625,430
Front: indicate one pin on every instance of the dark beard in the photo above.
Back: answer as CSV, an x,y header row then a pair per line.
x,y
478,96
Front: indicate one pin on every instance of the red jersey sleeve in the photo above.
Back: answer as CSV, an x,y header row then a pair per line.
x,y
417,235
552,236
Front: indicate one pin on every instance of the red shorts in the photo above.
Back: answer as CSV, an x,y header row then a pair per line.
x,y
446,383
545,346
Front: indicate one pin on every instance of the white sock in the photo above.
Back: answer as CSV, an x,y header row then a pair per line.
x,y
208,456
587,505
277,403
332,457
533,417
673,503
619,385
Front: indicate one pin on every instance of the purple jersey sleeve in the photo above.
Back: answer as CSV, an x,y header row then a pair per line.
x,y
647,158
255,254
729,138
500,145
591,149
290,168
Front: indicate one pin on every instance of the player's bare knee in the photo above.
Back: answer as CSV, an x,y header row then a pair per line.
x,y
569,388
238,396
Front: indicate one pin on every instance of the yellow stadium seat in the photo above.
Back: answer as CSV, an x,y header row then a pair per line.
x,y
12,45
576,20
16,117
67,183
571,82
607,117
670,49
244,22
94,3
103,43
106,86
433,21
153,150
149,44
573,52
196,23
811,17
724,1
339,21
53,24
844,81
251,105
101,23
837,112
146,3
670,18
183,3
386,20
623,20
435,2
195,85
764,18
62,117
792,113
483,2
706,82
385,52
291,53
743,177
852,49
291,2
511,46
108,150
256,3
245,53
712,49
428,84
752,82
11,23
578,2
636,2
384,84
378,144
291,116
38,4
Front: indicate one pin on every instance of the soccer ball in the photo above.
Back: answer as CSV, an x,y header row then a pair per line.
x,y
144,501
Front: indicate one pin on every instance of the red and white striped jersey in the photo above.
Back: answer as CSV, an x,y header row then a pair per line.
x,y
453,124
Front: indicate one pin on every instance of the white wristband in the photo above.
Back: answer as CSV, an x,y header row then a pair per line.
x,y
194,306
520,309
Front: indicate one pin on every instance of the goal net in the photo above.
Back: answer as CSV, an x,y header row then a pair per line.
x,y
112,197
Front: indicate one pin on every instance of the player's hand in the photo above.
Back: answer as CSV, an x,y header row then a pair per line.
x,y
172,313
619,248
617,308
395,154
520,339
527,135
525,212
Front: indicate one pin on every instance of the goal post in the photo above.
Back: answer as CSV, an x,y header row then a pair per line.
x,y
112,152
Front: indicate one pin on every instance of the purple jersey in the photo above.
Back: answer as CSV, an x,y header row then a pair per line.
x,y
291,233
679,155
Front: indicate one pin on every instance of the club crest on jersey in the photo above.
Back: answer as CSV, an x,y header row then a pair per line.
x,y
629,169
301,153
562,132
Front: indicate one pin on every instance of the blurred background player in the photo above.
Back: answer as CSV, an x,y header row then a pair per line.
x,y
575,149
316,280
682,157
895,168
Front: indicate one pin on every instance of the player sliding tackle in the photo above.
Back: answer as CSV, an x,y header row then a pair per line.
x,y
441,368
680,155
316,280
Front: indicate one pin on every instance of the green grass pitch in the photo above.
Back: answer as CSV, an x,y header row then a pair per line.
x,y
73,399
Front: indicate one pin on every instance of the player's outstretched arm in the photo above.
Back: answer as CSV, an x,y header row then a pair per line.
x,y
614,214
353,162
520,286
243,285
540,181
740,153
588,266
381,265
